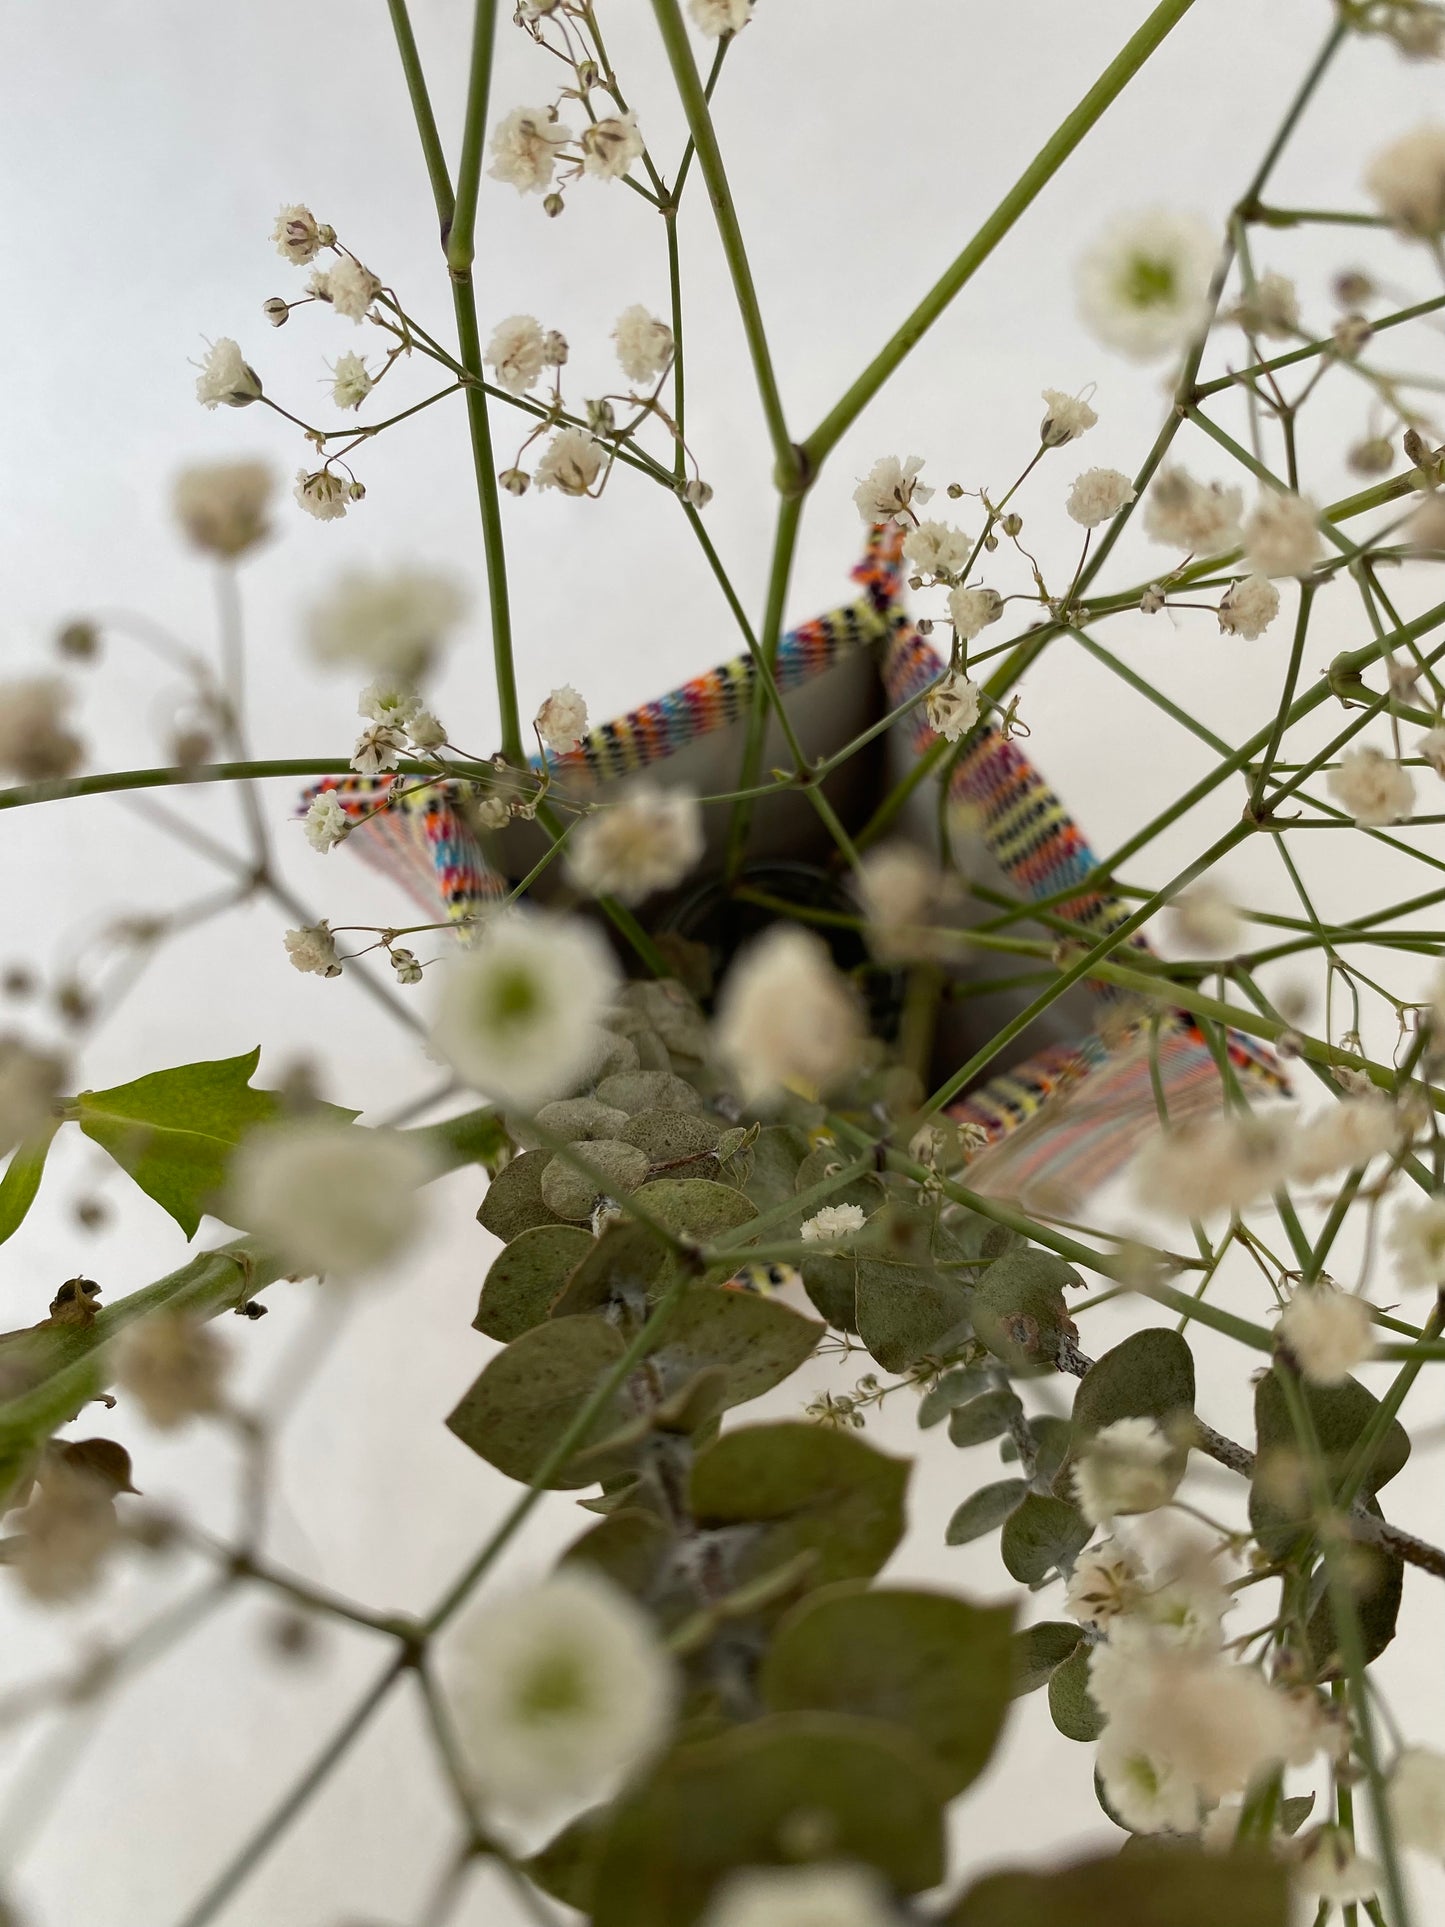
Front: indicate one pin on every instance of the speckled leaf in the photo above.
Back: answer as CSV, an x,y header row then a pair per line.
x,y
757,1341
1071,1705
984,1511
514,1202
615,1171
908,1312
529,1394
623,1266
1019,1310
697,1207
526,1276
675,1137
634,1091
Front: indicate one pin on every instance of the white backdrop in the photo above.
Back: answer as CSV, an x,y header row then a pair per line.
x,y
144,149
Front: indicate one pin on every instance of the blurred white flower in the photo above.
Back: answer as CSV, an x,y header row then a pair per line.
x,y
34,741
1270,309
1129,1466
1328,1332
331,1199
1417,1800
1200,517
889,490
226,377
520,1015
1097,496
172,1364
1106,1581
644,344
524,149
1372,787
1247,608
717,17
557,1694
326,822
1144,284
822,1894
1326,1866
1203,922
1406,181
392,624
646,841
787,1021
31,1082
517,353
1347,1134
222,506
1215,1164
1417,1244
1282,536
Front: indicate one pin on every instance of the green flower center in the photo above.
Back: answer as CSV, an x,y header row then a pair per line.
x,y
1149,282
512,996
555,1685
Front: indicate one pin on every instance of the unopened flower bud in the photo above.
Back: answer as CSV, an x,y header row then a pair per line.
x,y
1353,288
587,74
326,234
516,481
1372,456
553,206
954,491
1350,333
924,625
1417,449
697,493
80,640
190,748
1012,524
1152,601
357,491
600,418
554,348
276,311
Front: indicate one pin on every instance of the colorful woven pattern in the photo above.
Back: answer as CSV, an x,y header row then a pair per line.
x,y
1052,1128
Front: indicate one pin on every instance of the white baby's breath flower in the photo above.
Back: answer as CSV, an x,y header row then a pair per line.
x,y
972,610
326,822
1282,535
833,1224
1372,787
1129,1466
908,902
1106,1581
222,506
610,146
934,548
426,730
1205,1720
558,1693
350,381
571,461
66,1533
819,1894
34,740
332,1199
351,288
787,1021
647,841
644,344
953,705
1144,284
1328,1332
392,623
378,748
31,1082
1097,496
1270,309
313,948
1417,1800
1432,748
1406,181
1215,1164
1346,1135
524,149
1068,417
517,353
1204,923
562,720
388,700
1325,1865
1200,517
172,1364
1417,1244
717,17
1247,608
1149,1794
889,490
299,236
226,378
520,1015
322,494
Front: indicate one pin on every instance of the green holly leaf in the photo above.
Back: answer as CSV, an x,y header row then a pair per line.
x,y
174,1131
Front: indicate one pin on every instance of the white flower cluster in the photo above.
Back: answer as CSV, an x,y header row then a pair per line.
x,y
889,490
530,141
392,624
1373,787
222,506
953,705
647,841
1200,517
787,1021
1144,284
334,1200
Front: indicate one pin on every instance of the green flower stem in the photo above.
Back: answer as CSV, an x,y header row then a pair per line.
x,y
460,238
1347,1628
1311,349
1314,217
421,107
791,477
785,541
1291,679
1367,1445
1045,164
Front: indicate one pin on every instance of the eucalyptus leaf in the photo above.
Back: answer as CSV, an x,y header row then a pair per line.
x,y
615,1171
1019,1310
757,1796
1151,1886
1281,1501
924,1660
175,1131
907,1312
1375,1578
1051,1448
514,1203
572,1118
802,1489
777,1153
983,1418
984,1511
757,1341
526,1276
623,1266
696,1208
1042,1536
566,1868
1039,1649
954,1388
1149,1375
23,1173
675,1137
1071,1704
831,1282
529,1394
659,1090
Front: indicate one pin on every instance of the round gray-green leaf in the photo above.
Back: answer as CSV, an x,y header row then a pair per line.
x,y
1042,1536
617,1170
526,1276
